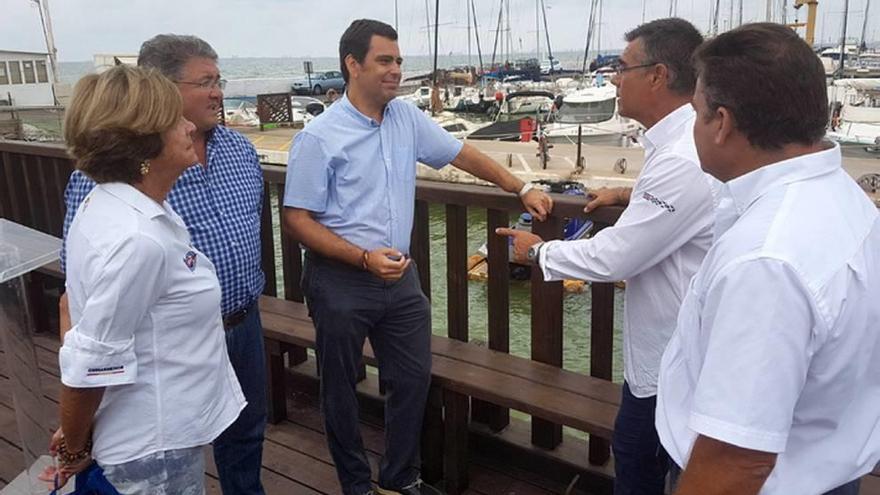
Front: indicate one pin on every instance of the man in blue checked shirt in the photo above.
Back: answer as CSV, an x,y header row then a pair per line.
x,y
349,198
220,199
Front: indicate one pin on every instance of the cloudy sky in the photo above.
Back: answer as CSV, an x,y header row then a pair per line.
x,y
275,28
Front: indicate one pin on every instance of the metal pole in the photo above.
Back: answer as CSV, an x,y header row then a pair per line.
x,y
644,7
547,34
589,36
769,15
469,36
428,22
538,31
46,20
497,33
395,15
579,156
864,25
477,36
843,35
436,29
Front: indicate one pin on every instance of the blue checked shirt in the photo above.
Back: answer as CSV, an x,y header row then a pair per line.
x,y
221,206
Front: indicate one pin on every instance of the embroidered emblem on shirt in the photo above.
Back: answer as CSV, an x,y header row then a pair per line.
x,y
659,202
190,260
108,370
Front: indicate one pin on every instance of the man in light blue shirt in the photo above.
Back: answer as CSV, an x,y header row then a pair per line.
x,y
349,198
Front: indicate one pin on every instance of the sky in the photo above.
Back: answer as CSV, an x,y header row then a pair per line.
x,y
302,28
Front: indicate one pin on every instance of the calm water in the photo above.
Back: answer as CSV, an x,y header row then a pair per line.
x,y
241,68
576,307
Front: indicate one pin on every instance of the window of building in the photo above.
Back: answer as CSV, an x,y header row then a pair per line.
x,y
42,73
15,72
30,76
4,73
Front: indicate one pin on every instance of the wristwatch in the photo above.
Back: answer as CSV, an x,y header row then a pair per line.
x,y
534,252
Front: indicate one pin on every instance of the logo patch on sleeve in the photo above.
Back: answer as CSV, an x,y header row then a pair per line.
x,y
190,260
658,202
107,370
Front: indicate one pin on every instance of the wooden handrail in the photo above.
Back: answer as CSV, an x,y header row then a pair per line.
x,y
34,176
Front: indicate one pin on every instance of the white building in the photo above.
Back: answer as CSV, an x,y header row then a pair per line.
x,y
25,79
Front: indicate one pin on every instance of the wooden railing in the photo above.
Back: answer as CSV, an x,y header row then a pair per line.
x,y
34,176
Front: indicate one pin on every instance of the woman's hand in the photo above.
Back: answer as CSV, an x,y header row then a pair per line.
x,y
58,474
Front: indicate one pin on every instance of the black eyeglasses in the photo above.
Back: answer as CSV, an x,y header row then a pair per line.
x,y
209,84
620,68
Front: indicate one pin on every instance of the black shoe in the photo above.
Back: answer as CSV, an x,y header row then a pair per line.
x,y
418,487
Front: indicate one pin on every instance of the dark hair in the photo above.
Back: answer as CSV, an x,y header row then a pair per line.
x,y
168,53
355,40
670,42
770,81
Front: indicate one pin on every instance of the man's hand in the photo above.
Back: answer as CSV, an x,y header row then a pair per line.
x,y
537,203
387,263
522,241
604,197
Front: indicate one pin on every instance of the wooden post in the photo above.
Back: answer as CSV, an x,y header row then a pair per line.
x,y
546,329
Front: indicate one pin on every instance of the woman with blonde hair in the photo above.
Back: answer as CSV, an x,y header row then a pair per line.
x,y
146,378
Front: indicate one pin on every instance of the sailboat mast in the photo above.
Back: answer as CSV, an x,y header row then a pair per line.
x,y
547,34
497,33
769,15
538,30
428,23
843,35
395,16
739,15
436,39
864,25
469,36
46,20
477,36
593,6
715,17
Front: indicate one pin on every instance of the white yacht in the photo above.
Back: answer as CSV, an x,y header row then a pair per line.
x,y
855,111
594,111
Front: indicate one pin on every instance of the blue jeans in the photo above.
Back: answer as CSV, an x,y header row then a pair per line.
x,y
640,462
238,451
347,305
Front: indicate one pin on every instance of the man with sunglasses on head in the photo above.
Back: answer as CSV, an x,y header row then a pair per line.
x,y
657,244
220,200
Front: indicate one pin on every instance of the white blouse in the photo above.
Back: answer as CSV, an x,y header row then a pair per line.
x,y
145,308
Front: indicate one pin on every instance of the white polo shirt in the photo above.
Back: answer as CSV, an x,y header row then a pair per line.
x,y
145,305
656,246
778,341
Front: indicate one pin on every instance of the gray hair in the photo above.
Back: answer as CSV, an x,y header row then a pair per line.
x,y
168,53
670,42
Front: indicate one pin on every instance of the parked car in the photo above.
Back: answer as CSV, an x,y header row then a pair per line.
x,y
321,82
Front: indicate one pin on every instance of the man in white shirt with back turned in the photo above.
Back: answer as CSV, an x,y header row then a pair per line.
x,y
656,245
771,382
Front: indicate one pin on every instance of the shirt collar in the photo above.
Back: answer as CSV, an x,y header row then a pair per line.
x,y
136,199
738,194
358,115
666,130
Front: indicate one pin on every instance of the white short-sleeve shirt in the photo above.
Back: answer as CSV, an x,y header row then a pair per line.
x,y
777,347
656,246
145,308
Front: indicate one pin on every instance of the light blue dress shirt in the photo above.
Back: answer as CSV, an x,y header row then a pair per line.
x,y
357,176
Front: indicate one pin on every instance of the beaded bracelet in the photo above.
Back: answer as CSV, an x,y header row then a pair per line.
x,y
69,458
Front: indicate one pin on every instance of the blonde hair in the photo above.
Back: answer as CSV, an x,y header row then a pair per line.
x,y
115,120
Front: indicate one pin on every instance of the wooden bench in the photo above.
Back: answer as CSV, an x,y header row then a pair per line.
x,y
460,371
